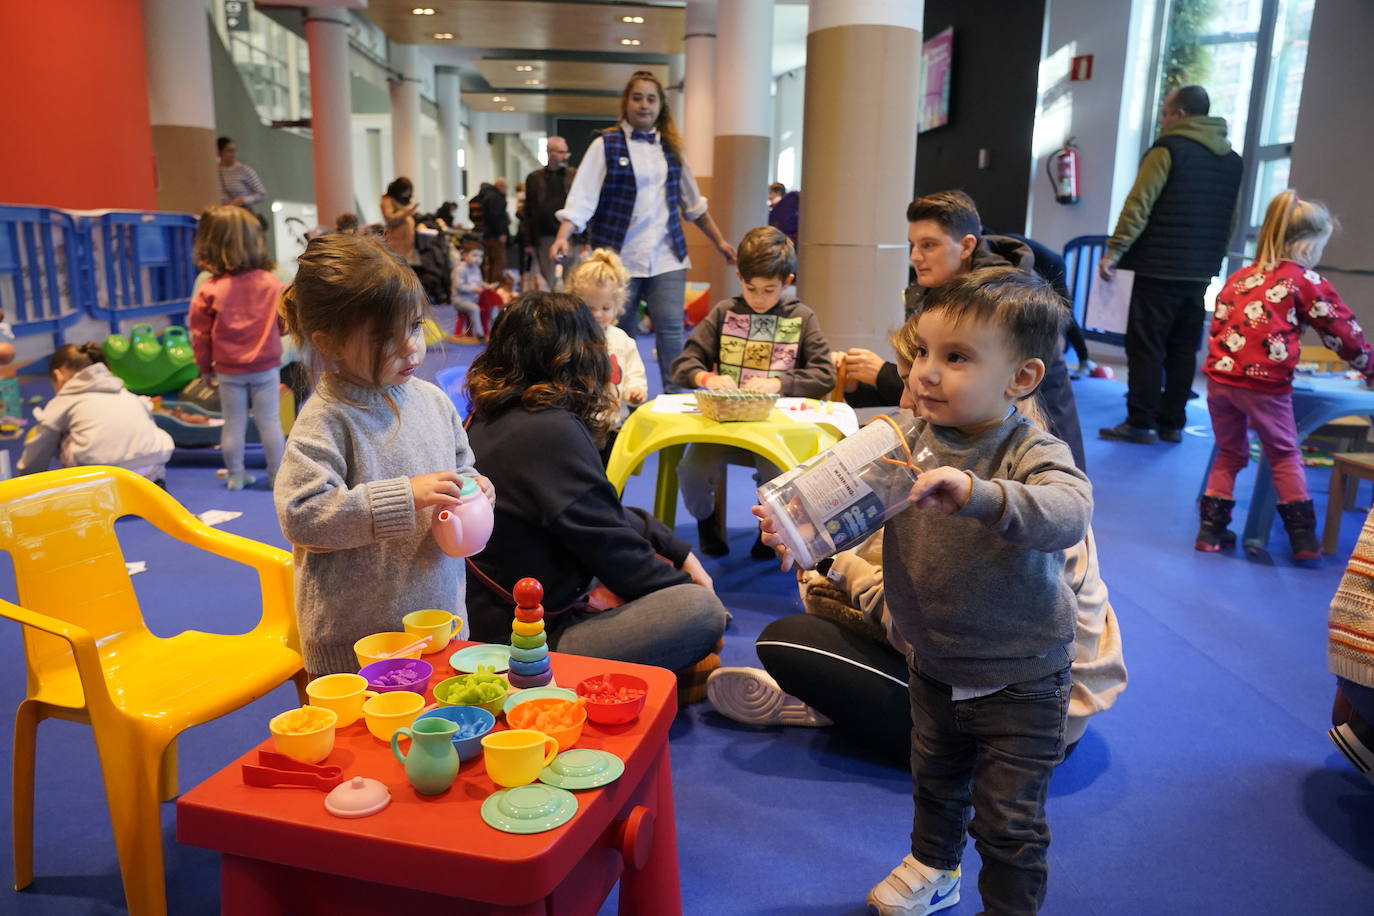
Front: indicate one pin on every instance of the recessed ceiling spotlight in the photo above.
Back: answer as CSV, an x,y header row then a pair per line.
x,y
632,20
523,68
629,41
443,35
498,98
531,82
422,11
507,107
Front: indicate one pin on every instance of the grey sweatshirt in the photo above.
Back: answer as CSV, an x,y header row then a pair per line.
x,y
364,555
981,595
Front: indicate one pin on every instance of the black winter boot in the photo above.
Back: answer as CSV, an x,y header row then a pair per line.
x,y
1212,534
1300,521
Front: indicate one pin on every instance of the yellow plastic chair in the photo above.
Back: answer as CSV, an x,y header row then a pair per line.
x,y
90,657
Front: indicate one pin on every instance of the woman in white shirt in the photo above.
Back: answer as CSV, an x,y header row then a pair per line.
x,y
631,191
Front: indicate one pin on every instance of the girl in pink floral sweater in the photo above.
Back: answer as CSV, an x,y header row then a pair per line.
x,y
1255,340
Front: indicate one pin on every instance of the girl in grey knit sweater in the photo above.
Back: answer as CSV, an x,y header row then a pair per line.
x,y
371,452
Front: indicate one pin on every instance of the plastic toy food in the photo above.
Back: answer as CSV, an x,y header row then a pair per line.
x,y
304,721
398,677
613,699
464,529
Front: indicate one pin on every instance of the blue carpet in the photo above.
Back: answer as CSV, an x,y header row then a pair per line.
x,y
1209,788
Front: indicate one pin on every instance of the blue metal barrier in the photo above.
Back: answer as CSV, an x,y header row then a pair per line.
x,y
1080,270
144,266
42,289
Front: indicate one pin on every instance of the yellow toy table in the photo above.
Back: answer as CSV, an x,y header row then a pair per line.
x,y
669,423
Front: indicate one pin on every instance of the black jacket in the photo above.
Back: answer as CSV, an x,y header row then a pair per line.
x,y
545,194
559,520
495,216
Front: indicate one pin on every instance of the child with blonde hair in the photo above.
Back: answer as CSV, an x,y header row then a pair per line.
x,y
603,283
1255,341
237,336
94,419
372,453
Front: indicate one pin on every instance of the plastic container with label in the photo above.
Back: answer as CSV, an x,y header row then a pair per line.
x,y
834,500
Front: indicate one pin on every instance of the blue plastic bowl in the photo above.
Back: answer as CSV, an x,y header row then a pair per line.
x,y
473,723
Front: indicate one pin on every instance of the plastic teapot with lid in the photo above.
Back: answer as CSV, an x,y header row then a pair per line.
x,y
463,530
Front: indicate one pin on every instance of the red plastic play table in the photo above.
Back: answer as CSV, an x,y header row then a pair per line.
x,y
282,853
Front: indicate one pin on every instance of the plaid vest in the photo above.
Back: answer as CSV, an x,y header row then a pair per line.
x,y
616,205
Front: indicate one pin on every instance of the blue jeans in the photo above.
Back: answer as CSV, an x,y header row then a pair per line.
x,y
673,627
663,295
236,392
997,753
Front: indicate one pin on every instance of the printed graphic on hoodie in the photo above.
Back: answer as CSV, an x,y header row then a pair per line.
x,y
758,346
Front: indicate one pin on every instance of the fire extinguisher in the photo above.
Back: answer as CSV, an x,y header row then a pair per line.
x,y
1063,169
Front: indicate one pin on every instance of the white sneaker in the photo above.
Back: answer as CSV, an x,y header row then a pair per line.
x,y
751,696
1344,738
239,481
914,889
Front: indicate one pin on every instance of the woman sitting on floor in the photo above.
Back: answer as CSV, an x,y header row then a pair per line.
x,y
617,583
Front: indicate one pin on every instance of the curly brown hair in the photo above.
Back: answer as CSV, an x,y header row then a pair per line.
x,y
546,352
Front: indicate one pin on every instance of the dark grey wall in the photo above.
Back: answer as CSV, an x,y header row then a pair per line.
x,y
996,62
579,133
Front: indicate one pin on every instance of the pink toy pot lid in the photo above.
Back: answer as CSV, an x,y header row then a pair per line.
x,y
357,797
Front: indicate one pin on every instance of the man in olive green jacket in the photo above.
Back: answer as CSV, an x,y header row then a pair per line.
x,y
1173,233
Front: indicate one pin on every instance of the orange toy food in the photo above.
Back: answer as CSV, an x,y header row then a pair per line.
x,y
562,720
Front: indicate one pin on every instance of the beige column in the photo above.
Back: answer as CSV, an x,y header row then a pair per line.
x,y
744,123
405,115
181,104
858,165
449,93
331,105
698,114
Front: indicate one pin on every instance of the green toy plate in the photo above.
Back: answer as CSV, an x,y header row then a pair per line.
x,y
529,809
582,768
492,654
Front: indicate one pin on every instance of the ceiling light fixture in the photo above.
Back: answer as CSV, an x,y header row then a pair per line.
x,y
531,82
422,11
507,107
523,68
443,35
632,20
498,98
629,41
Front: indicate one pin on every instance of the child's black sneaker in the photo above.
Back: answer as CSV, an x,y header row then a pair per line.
x,y
1349,744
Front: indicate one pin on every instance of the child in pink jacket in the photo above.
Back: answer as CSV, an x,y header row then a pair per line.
x,y
237,335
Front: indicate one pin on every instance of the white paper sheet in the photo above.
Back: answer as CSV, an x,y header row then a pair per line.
x,y
1109,302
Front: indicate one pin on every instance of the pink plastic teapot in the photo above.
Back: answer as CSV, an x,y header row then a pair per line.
x,y
463,530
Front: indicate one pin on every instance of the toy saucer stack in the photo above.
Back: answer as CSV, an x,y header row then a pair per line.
x,y
529,650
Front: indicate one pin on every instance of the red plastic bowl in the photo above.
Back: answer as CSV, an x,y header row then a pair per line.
x,y
613,711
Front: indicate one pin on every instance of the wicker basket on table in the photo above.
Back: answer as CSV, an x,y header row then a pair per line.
x,y
729,405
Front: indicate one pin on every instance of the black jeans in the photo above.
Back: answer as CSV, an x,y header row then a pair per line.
x,y
997,753
1163,330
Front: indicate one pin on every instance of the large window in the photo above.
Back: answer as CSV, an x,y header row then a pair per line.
x,y
274,63
1250,56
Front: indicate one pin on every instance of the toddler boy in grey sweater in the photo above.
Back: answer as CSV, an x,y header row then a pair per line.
x,y
974,573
